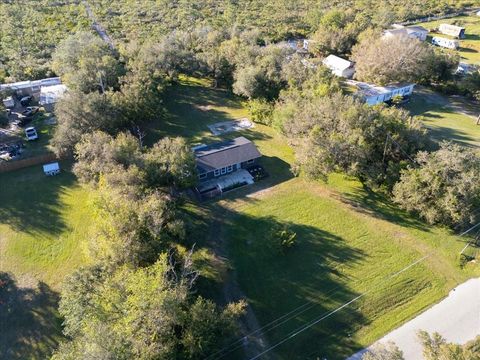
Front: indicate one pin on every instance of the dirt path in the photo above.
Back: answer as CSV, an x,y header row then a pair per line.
x,y
252,344
98,28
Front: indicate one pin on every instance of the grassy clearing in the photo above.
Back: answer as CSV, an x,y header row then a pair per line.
x,y
440,115
349,241
43,226
469,50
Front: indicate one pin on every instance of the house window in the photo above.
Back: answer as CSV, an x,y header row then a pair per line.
x,y
216,172
230,168
251,161
223,171
202,176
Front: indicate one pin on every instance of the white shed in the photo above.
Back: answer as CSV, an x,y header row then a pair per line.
x,y
339,66
51,169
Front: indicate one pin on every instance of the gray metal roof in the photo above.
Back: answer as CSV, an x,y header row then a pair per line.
x,y
226,153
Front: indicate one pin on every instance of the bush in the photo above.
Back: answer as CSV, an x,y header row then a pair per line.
x,y
261,111
286,238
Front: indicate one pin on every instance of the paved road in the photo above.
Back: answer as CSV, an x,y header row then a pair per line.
x,y
456,318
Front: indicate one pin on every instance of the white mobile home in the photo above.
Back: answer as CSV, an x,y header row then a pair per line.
x,y
452,30
339,66
374,95
24,88
446,43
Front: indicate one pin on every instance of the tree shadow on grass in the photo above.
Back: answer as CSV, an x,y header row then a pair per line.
x,y
29,322
306,281
30,201
375,204
190,108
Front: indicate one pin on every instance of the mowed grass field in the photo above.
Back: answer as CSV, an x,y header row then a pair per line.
x,y
440,114
469,50
349,242
44,222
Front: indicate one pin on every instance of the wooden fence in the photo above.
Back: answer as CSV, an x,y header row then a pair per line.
x,y
23,163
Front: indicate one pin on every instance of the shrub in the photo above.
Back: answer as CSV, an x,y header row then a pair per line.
x,y
260,111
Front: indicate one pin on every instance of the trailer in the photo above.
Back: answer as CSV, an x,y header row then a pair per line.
x,y
446,43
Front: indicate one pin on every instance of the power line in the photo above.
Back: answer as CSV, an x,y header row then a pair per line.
x,y
301,309
316,321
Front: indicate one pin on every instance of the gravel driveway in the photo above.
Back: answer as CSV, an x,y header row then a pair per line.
x,y
456,318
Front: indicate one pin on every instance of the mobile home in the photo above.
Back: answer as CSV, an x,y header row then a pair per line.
x,y
446,43
374,95
452,30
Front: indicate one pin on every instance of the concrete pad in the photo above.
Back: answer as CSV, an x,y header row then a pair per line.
x,y
230,126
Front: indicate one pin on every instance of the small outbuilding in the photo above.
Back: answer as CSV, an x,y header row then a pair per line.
x,y
452,30
51,169
339,66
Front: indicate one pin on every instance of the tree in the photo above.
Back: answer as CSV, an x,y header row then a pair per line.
x,y
443,188
379,351
171,161
384,60
262,79
86,63
79,113
337,32
435,347
144,313
339,133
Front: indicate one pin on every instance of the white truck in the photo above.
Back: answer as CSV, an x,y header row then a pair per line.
x,y
31,133
446,43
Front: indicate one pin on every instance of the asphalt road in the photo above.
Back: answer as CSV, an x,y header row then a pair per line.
x,y
456,318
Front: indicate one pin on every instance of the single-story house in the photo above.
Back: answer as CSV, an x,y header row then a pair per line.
x,y
374,95
339,66
225,157
24,88
414,32
452,30
49,95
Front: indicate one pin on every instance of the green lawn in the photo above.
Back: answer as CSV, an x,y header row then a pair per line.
x,y
349,241
470,46
43,226
442,120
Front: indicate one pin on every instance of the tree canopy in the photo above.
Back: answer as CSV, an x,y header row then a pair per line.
x,y
443,187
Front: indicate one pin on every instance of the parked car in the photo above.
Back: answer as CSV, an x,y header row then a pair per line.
x,y
25,101
30,111
31,133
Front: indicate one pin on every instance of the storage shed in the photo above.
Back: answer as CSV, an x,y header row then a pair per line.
x,y
339,66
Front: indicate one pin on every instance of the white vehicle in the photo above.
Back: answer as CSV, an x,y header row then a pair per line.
x,y
31,133
446,43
